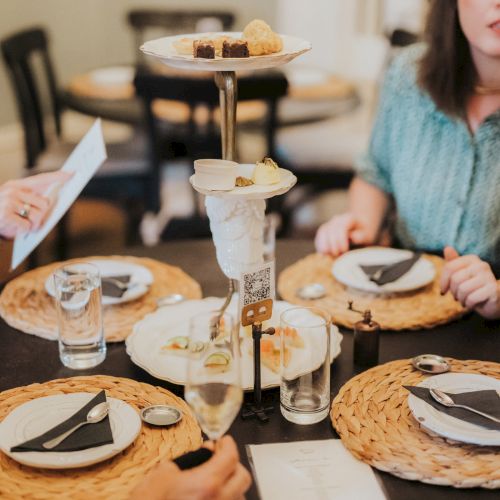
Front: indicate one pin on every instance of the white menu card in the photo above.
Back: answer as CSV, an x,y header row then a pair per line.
x,y
84,161
312,470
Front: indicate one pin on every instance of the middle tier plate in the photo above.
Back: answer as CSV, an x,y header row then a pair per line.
x,y
144,346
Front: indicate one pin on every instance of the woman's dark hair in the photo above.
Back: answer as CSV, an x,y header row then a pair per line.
x,y
446,70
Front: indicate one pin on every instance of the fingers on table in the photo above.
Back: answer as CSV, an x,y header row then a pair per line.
x,y
453,266
333,237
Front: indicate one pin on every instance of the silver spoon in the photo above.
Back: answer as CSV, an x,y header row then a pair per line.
x,y
170,300
96,414
311,291
445,400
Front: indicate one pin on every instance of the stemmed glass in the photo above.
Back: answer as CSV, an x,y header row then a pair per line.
x,y
213,388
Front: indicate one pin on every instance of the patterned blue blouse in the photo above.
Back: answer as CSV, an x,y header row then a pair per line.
x,y
446,182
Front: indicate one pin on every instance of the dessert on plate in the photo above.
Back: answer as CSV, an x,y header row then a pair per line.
x,y
233,47
266,172
262,40
204,49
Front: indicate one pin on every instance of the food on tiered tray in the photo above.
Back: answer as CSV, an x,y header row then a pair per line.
x,y
183,46
262,40
291,335
179,345
219,42
215,175
243,181
235,48
204,49
266,172
218,362
270,355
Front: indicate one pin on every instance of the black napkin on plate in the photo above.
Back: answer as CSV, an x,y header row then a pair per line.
x,y
387,273
88,436
110,289
193,458
487,401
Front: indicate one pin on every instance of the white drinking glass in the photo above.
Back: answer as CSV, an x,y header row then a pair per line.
x,y
79,315
213,388
305,376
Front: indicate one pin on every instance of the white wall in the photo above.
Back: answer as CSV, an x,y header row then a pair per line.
x,y
90,33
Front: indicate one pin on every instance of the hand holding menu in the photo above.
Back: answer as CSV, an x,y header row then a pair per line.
x,y
84,161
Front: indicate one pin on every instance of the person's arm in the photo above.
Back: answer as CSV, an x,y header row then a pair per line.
x,y
472,283
222,477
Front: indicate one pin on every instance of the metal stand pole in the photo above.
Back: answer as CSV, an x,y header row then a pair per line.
x,y
228,97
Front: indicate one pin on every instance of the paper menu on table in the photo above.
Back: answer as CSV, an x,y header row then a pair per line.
x,y
312,470
84,161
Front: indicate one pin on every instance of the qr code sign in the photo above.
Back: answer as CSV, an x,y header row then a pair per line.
x,y
258,284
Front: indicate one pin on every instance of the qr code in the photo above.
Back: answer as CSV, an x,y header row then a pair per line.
x,y
258,285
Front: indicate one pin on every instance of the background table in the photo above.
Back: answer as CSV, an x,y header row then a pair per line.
x,y
26,359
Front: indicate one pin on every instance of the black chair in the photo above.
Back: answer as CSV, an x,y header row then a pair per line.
x,y
204,141
126,177
173,21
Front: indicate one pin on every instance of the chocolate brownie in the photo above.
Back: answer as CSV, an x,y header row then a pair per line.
x,y
235,48
204,49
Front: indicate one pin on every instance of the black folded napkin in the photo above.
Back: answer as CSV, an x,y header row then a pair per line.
x,y
487,401
387,273
88,436
193,458
110,289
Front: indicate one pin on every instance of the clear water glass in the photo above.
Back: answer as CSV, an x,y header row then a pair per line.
x,y
79,314
305,376
213,388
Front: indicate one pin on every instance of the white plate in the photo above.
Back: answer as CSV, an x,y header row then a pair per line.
x,y
347,271
39,415
114,75
253,192
451,427
140,276
152,332
163,48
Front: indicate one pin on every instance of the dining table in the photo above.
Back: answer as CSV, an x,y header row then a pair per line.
x,y
28,359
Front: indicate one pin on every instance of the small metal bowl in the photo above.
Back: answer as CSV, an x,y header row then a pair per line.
x,y
430,363
161,415
312,291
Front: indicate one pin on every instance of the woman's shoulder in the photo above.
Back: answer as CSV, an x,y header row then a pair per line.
x,y
402,75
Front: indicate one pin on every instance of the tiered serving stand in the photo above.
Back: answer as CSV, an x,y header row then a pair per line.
x,y
237,216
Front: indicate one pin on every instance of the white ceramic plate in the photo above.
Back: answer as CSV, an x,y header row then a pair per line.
x,y
39,415
253,192
152,332
140,277
451,427
163,48
347,271
114,75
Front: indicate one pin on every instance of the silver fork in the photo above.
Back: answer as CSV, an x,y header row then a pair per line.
x,y
215,321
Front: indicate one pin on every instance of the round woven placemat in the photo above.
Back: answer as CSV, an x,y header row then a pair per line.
x,y
113,478
372,417
25,305
424,308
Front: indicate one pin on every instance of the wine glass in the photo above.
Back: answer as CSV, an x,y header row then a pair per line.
x,y
213,388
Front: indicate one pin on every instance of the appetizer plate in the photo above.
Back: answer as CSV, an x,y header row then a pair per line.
x,y
141,279
255,191
164,49
144,346
451,427
39,415
346,269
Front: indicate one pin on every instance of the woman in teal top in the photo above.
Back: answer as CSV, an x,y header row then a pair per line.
x,y
435,154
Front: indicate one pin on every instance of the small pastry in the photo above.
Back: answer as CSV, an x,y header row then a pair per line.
x,y
184,46
243,182
266,172
235,48
262,40
204,49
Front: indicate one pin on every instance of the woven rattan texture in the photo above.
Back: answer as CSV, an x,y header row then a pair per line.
x,y
372,417
25,305
113,478
424,308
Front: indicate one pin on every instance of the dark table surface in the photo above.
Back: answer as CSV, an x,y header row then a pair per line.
x,y
26,359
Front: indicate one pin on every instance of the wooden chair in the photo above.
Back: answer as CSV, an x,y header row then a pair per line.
x,y
126,177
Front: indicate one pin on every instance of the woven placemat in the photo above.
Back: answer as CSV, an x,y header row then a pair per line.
x,y
372,417
25,305
113,478
424,308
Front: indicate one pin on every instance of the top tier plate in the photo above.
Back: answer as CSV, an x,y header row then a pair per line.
x,y
163,49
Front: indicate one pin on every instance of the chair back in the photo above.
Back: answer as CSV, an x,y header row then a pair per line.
x,y
18,51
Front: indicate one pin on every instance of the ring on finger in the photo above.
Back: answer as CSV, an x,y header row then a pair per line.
x,y
25,211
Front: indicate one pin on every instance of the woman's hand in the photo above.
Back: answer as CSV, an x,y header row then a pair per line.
x,y
472,283
335,236
23,206
222,477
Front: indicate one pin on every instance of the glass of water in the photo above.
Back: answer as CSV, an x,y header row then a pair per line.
x,y
79,314
213,388
305,375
